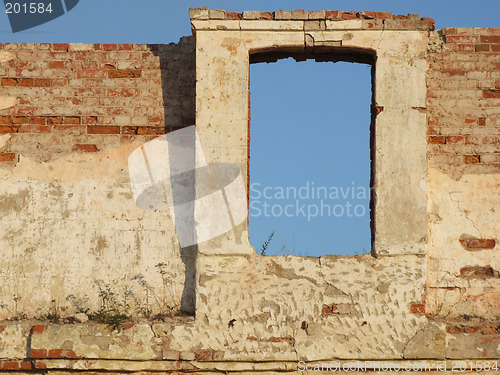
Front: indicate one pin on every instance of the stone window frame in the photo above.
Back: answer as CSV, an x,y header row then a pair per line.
x,y
224,50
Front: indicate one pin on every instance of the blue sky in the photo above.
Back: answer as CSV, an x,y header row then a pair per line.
x,y
310,121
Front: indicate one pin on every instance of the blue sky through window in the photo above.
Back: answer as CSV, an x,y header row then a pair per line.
x,y
310,157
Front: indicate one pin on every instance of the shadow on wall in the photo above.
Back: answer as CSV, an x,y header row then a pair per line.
x,y
178,80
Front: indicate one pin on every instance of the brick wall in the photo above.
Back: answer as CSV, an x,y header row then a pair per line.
x,y
463,95
70,115
86,98
463,99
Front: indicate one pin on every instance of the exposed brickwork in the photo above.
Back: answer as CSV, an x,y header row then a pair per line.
x,y
477,244
69,93
417,308
478,272
387,19
462,101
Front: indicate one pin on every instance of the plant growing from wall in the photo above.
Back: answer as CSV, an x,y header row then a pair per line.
x,y
265,245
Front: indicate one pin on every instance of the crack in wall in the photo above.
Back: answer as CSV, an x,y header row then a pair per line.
x,y
465,212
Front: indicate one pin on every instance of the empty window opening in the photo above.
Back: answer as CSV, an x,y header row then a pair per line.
x,y
310,158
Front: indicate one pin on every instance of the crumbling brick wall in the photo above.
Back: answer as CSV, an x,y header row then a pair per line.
x,y
462,102
70,116
464,164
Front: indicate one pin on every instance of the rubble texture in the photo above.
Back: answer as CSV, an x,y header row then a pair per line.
x,y
77,250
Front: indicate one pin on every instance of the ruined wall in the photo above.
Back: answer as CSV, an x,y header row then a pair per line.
x,y
463,94
72,114
72,236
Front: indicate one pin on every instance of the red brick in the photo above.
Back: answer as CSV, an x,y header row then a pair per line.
x,y
103,129
469,120
490,38
125,47
54,120
9,156
477,272
39,328
127,325
489,330
382,15
428,19
471,330
449,31
38,120
478,244
491,94
266,16
124,73
38,353
495,47
481,121
8,129
27,82
34,129
150,130
11,365
57,64
234,16
417,308
472,159
71,120
156,120
482,47
60,46
20,120
55,353
42,82
9,82
109,47
26,365
333,14
85,148
454,329
437,140
349,15
5,120
203,355
40,365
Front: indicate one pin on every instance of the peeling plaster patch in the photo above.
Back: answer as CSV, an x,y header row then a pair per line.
x,y
4,139
423,184
7,102
428,343
14,202
104,165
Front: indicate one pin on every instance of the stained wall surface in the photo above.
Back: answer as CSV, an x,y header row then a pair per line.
x,y
75,243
